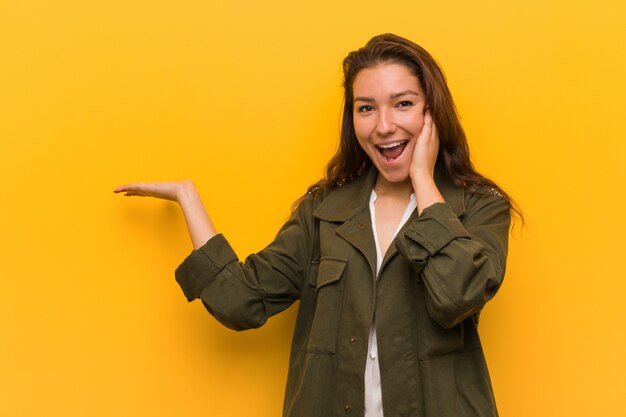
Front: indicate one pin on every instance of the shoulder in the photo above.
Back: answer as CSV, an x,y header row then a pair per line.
x,y
313,198
485,204
339,203
487,190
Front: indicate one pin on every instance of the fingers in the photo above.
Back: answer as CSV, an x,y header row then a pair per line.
x,y
122,188
434,133
428,119
135,189
428,125
429,131
429,134
165,190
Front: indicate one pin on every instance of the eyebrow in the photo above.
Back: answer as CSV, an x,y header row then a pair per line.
x,y
393,96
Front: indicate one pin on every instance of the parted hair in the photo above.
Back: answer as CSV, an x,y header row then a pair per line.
x,y
350,161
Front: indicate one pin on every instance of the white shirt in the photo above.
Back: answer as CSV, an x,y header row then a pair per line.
x,y
373,393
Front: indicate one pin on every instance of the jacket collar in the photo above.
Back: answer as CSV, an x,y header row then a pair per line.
x,y
348,200
345,201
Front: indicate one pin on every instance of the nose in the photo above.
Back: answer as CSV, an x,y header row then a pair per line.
x,y
385,124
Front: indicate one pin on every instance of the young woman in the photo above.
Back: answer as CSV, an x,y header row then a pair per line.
x,y
392,255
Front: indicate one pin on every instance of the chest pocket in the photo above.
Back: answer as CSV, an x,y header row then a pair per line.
x,y
329,288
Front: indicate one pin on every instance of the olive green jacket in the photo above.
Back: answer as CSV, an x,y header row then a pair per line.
x,y
444,266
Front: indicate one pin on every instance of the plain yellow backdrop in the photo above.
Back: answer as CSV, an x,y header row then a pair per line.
x,y
244,98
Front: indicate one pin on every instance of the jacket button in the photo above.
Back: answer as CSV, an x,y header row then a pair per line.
x,y
348,407
353,339
361,225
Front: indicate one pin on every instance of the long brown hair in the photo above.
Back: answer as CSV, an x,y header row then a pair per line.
x,y
350,161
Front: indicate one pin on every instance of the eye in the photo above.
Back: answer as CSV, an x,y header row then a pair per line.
x,y
404,103
365,108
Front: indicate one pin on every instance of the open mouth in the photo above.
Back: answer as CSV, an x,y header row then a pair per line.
x,y
392,151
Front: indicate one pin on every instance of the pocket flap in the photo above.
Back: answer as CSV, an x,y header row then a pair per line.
x,y
330,270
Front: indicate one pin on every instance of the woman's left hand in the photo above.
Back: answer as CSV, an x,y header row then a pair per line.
x,y
425,151
422,170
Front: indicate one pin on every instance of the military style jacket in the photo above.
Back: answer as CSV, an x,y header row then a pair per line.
x,y
441,269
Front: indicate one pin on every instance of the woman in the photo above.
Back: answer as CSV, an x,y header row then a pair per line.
x,y
392,255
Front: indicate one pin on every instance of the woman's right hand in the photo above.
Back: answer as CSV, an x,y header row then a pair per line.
x,y
199,223
172,190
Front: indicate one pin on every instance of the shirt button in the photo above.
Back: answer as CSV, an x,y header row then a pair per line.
x,y
353,339
348,407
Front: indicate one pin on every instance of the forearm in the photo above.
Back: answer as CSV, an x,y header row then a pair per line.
x,y
426,192
242,295
199,223
461,263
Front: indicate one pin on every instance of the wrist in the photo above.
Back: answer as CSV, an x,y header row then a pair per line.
x,y
426,191
422,178
186,192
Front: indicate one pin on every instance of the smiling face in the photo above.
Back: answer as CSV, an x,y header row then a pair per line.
x,y
388,118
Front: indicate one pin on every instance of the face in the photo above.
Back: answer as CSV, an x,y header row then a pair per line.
x,y
388,118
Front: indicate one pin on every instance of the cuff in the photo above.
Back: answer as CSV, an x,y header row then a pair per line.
x,y
431,232
201,267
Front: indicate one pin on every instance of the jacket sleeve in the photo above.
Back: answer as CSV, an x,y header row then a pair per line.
x,y
461,262
243,295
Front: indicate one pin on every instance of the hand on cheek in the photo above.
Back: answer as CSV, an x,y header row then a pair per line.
x,y
422,169
425,152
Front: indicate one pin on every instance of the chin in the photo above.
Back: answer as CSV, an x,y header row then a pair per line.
x,y
394,177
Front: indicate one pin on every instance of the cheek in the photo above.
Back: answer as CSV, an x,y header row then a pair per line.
x,y
419,123
410,147
361,131
362,143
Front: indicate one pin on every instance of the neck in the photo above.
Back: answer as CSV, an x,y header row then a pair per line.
x,y
401,190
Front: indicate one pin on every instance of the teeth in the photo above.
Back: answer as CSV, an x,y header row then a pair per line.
x,y
391,145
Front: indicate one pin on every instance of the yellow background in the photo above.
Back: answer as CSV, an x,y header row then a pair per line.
x,y
244,98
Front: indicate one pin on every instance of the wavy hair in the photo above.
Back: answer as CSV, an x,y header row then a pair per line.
x,y
350,161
